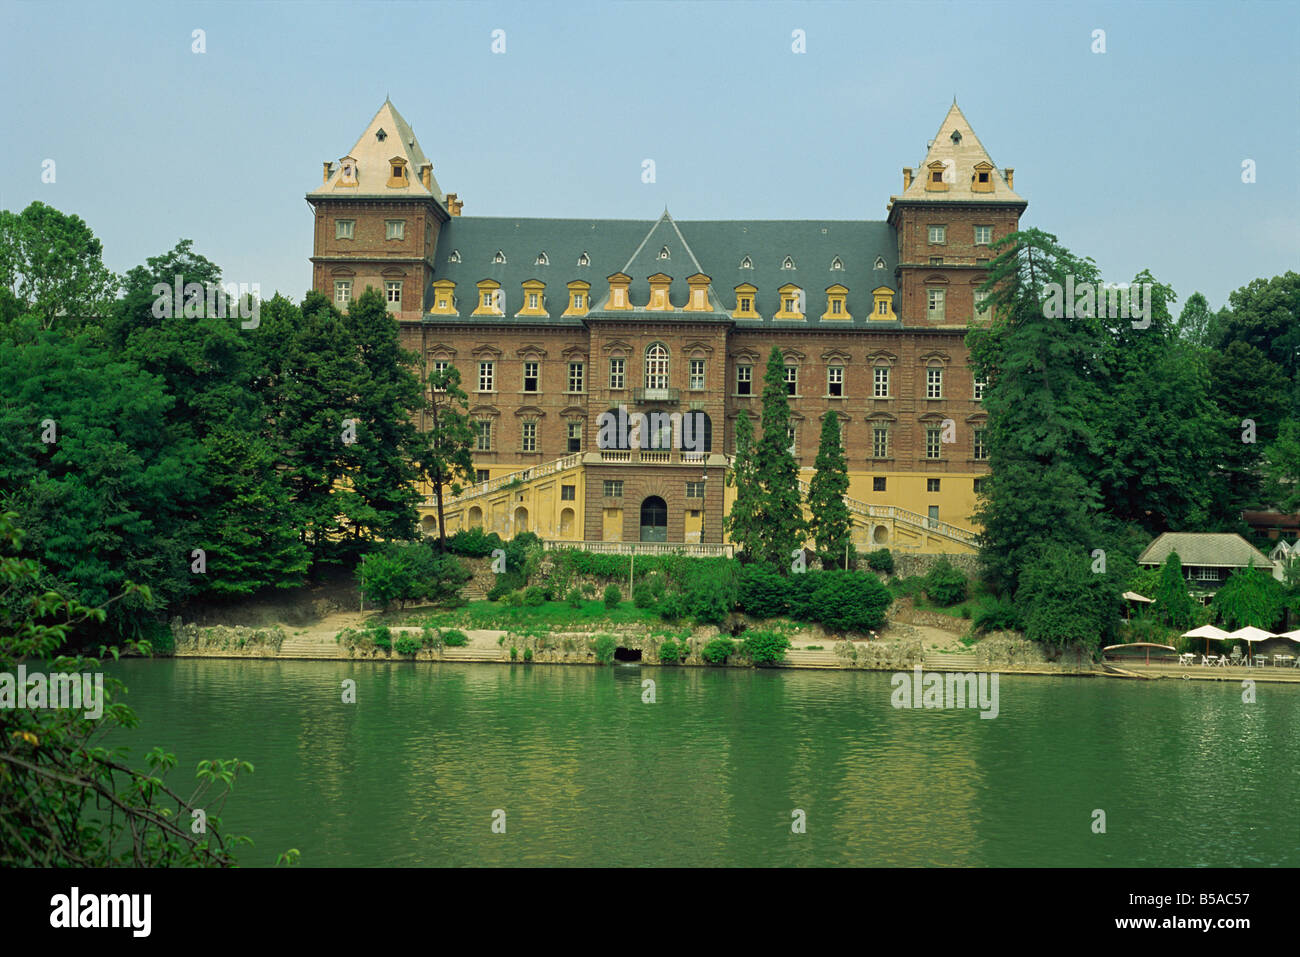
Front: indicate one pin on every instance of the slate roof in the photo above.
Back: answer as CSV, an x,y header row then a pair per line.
x,y
963,155
1205,549
714,247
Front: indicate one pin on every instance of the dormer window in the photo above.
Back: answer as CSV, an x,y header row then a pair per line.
x,y
982,178
837,302
584,260
397,169
380,134
788,263
746,263
663,253
956,137
837,263
347,171
491,300
499,258
745,293
541,260
880,262
454,257
791,300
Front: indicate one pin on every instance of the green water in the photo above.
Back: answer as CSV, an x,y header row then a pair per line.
x,y
588,774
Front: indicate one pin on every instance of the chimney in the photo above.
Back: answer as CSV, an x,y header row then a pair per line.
x,y
907,177
329,168
1010,174
426,175
453,204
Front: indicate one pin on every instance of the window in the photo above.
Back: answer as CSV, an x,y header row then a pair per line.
x,y
345,228
1207,574
880,262
584,260
878,483
528,437
484,443
787,263
938,234
880,442
790,303
837,306
792,434
981,443
394,229
837,263
575,436
932,485
393,292
532,300
695,490
882,307
746,263
979,486
981,297
933,437
697,373
744,380
791,380
499,258
936,176
342,291
746,304
486,379
613,488
934,307
530,376
835,380
656,366
616,374
936,260
934,383
979,386
541,260
487,299
568,493
882,382
578,300
983,235
482,475
440,369
577,376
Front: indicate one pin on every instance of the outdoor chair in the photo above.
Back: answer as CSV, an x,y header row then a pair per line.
x,y
1206,661
1236,656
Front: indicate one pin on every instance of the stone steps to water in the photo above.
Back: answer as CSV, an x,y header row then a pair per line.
x,y
805,658
475,654
950,662
309,646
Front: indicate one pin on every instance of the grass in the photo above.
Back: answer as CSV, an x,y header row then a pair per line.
x,y
549,616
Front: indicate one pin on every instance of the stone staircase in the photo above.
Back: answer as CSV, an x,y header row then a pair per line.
x,y
309,646
935,661
802,658
907,519
475,654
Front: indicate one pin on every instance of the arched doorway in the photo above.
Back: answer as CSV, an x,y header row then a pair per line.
x,y
654,519
521,520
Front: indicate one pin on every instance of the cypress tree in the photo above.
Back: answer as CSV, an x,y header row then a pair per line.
x,y
743,519
781,526
830,523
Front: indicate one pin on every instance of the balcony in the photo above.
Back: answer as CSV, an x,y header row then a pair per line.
x,y
657,395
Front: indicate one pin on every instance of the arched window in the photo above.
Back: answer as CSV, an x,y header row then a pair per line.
x,y
656,366
654,519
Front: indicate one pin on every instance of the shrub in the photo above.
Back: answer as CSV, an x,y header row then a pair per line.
x,y
406,645
589,590
574,598
673,606
717,650
881,560
845,601
514,653
381,637
765,647
670,652
534,596
514,599
474,543
996,614
528,654
643,595
612,596
455,639
763,592
604,647
712,590
945,584
383,577
429,638
506,582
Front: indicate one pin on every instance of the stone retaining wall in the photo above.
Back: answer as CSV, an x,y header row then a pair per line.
x,y
225,641
907,565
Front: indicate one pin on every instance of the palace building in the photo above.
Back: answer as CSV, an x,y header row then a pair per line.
x,y
552,322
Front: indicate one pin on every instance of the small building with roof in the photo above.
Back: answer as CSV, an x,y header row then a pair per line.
x,y
1208,558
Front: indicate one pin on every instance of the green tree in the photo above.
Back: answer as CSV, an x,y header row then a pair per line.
x,y
1282,468
1064,604
1252,394
1043,371
830,521
67,800
1249,597
52,266
780,514
1173,605
745,517
447,459
1194,320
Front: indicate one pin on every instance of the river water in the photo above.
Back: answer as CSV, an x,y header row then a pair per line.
x,y
716,771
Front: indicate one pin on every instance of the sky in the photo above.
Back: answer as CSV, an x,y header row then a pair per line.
x,y
1133,156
